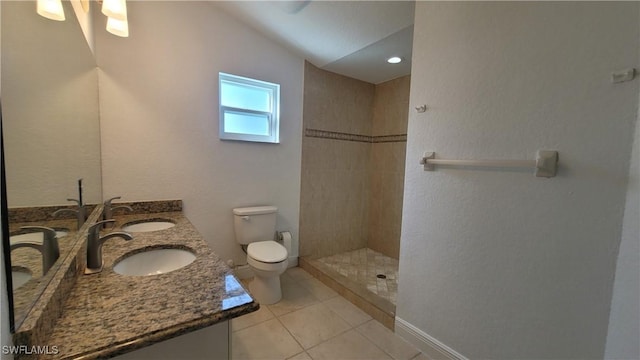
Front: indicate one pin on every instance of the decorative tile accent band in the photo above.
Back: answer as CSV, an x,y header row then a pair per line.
x,y
334,135
389,138
324,134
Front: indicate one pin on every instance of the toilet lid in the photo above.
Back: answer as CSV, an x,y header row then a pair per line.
x,y
267,251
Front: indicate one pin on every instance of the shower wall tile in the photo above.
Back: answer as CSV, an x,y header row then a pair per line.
x,y
337,103
351,183
390,116
391,107
333,216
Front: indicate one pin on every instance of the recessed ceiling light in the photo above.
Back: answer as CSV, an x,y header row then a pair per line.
x,y
394,60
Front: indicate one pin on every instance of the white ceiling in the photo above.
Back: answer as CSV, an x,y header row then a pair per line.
x,y
353,38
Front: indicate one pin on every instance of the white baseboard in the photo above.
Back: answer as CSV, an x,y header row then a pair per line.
x,y
430,346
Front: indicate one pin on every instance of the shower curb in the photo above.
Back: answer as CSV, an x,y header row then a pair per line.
x,y
379,309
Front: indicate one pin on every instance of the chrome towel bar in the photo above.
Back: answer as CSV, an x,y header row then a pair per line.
x,y
545,164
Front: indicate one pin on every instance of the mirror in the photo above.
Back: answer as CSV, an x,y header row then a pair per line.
x,y
51,133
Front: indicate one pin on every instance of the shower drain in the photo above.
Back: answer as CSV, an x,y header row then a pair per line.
x,y
381,276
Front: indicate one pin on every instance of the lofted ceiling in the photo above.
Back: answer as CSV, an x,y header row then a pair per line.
x,y
352,38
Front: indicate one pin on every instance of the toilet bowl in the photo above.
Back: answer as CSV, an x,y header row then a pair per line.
x,y
267,260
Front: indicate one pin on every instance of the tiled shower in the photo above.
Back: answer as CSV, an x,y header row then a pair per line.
x,y
353,158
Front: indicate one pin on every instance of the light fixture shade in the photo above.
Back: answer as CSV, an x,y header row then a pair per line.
x,y
394,60
115,9
51,9
118,27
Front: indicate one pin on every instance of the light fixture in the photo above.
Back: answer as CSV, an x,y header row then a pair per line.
x,y
115,9
118,27
116,12
394,60
51,9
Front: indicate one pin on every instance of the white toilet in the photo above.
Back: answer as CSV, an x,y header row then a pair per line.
x,y
256,226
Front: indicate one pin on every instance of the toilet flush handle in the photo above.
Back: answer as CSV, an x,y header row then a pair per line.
x,y
246,218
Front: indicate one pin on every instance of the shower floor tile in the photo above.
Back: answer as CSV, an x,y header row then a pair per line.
x,y
377,272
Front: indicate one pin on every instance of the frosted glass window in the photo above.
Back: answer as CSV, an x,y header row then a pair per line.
x,y
246,123
249,109
245,96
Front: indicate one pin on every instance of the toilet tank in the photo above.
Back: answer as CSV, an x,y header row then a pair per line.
x,y
253,224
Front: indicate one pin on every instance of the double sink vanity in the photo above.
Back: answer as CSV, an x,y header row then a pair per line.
x,y
163,283
59,311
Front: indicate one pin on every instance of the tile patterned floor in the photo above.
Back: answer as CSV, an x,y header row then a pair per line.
x,y
363,266
313,322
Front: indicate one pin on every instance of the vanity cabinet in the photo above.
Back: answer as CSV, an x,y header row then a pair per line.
x,y
213,342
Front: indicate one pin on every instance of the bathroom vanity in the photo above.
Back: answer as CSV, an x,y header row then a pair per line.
x,y
51,142
106,314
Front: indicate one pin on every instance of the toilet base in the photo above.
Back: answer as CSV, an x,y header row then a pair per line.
x,y
266,290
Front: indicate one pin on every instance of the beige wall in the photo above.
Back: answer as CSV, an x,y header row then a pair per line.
x,y
500,264
159,118
351,185
50,109
624,327
390,114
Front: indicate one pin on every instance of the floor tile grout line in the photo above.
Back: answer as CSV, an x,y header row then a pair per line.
x,y
306,353
294,310
371,341
383,350
358,327
315,297
331,338
318,302
290,334
342,332
354,328
258,323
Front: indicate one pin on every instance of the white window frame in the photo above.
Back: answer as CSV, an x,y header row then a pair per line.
x,y
273,116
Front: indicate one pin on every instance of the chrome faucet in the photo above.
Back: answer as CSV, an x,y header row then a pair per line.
x,y
81,213
94,245
107,213
49,248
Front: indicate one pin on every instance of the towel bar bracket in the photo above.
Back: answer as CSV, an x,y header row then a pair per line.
x,y
428,166
546,163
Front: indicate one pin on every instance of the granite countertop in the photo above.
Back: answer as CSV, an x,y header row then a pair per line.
x,y
30,260
107,314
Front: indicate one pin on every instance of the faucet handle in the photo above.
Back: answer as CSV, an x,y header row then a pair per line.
x,y
108,202
95,227
50,248
94,245
76,201
126,207
48,233
60,211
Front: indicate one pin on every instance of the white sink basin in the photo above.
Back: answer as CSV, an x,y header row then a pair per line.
x,y
19,278
154,262
155,225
